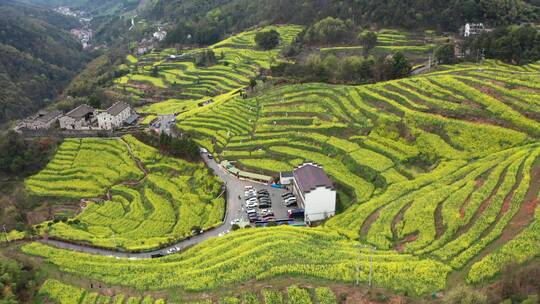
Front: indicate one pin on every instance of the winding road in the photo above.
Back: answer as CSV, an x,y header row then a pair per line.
x,y
235,188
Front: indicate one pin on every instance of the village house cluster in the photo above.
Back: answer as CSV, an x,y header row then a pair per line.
x,y
149,43
83,117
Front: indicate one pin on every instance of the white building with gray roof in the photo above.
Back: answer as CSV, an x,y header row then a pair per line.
x,y
82,117
315,192
115,116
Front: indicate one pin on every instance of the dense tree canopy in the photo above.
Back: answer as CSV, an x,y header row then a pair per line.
x,y
207,21
267,40
327,30
513,44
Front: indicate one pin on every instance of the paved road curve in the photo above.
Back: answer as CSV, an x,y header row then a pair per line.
x,y
235,188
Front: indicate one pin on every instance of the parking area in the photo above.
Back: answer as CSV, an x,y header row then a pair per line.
x,y
163,123
262,204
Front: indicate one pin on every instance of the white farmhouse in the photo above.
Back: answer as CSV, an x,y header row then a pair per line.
x,y
115,116
315,192
82,117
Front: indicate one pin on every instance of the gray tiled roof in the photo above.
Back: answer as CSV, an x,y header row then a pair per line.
x,y
49,116
116,108
309,177
80,111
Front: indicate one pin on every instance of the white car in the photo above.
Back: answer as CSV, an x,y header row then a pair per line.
x,y
252,199
251,205
246,188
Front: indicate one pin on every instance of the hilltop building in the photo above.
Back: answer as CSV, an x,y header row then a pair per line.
x,y
115,116
473,29
160,34
82,117
315,192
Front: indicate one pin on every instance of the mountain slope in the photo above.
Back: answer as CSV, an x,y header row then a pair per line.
x,y
38,57
218,17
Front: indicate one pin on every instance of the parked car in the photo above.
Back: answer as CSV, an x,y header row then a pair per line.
x,y
295,213
246,188
262,191
285,202
290,204
251,205
268,213
287,194
251,211
210,156
264,205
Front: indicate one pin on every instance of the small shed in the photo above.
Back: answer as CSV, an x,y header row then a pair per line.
x,y
286,178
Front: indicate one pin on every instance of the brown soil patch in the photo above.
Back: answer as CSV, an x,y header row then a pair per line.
x,y
400,245
440,227
369,221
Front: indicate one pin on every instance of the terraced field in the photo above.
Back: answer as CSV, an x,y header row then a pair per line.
x,y
276,251
173,197
238,61
84,168
367,137
63,293
439,172
416,45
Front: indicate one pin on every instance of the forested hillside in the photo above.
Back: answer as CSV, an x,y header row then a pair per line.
x,y
208,20
38,58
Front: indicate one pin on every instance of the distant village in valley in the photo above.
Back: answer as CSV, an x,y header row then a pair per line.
x,y
84,33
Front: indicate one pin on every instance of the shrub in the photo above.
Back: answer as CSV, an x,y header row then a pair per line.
x,y
267,40
465,295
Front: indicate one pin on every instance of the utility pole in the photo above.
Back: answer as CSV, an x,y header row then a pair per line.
x,y
358,264
372,249
371,265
